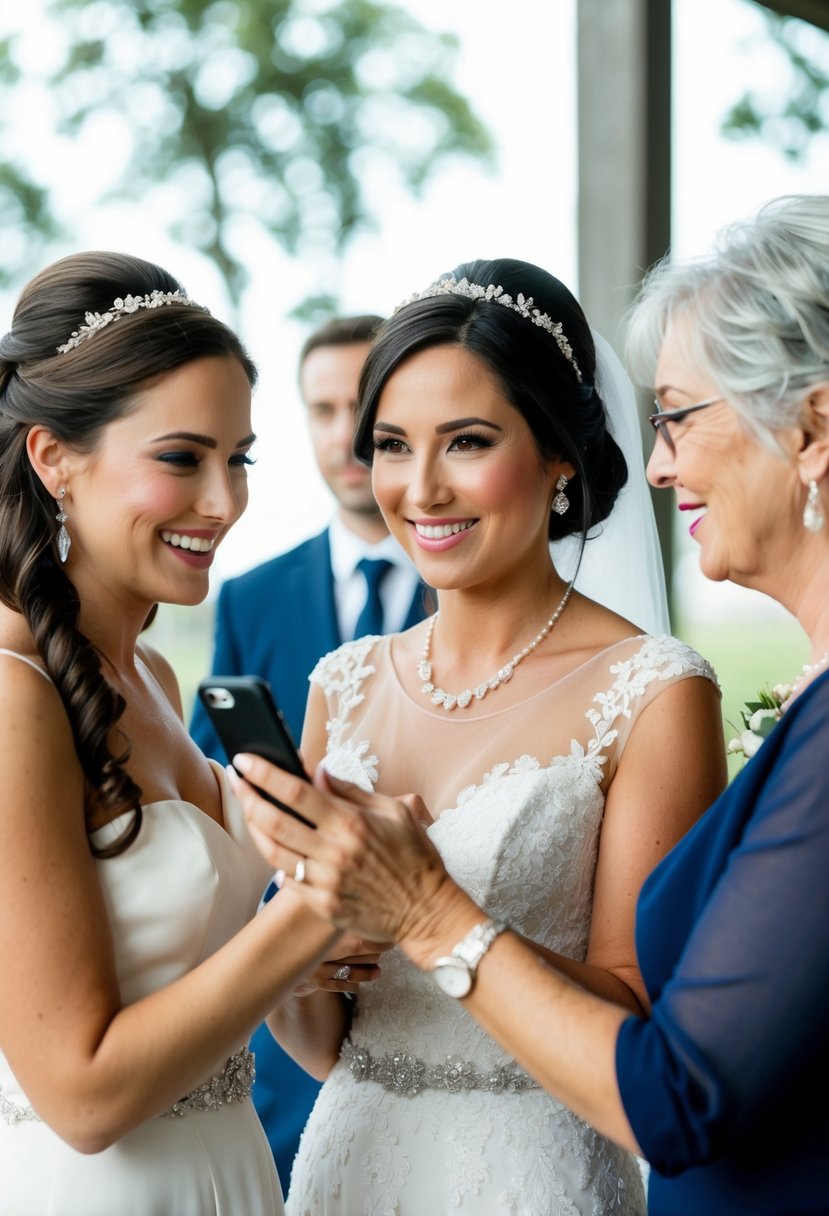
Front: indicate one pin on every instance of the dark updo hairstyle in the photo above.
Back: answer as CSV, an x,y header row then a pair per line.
x,y
76,395
566,417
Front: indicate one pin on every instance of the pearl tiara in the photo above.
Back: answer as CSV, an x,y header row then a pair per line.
x,y
496,295
96,321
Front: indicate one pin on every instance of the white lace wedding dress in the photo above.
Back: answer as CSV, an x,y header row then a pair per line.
x,y
174,897
518,799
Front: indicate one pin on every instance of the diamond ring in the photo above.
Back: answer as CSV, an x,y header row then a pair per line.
x,y
342,973
299,872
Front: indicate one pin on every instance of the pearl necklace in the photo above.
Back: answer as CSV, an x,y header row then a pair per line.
x,y
809,669
449,700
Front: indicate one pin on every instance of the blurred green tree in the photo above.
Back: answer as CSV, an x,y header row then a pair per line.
x,y
795,107
275,116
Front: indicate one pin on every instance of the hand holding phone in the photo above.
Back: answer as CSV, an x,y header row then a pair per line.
x,y
247,719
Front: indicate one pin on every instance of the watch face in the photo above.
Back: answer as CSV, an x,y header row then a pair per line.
x,y
452,976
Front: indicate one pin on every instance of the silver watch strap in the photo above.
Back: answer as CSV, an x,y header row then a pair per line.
x,y
472,948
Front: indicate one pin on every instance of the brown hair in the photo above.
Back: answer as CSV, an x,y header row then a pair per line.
x,y
76,395
567,417
341,331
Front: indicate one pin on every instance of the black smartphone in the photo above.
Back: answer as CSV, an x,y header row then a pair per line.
x,y
247,719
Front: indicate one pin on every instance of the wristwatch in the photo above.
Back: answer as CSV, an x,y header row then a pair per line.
x,y
455,974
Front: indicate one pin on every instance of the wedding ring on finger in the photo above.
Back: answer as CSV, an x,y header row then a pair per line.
x,y
342,973
299,872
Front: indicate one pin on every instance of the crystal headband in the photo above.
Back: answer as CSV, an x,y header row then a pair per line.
x,y
496,295
96,321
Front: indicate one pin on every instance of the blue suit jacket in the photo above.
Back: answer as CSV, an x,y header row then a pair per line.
x,y
277,621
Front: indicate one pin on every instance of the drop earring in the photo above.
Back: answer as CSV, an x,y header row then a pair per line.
x,y
561,502
813,517
63,538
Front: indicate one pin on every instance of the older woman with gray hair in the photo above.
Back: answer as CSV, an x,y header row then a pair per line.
x,y
715,1081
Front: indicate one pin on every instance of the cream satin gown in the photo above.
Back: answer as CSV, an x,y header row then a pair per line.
x,y
174,897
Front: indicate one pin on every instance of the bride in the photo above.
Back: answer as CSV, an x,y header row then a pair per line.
x,y
547,734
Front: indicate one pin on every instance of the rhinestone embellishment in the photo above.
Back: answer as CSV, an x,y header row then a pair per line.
x,y
64,540
406,1075
232,1084
96,321
495,294
448,700
16,1112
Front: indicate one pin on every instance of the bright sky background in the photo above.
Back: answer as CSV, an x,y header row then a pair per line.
x,y
519,72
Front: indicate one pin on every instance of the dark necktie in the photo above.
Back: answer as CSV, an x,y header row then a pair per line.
x,y
370,620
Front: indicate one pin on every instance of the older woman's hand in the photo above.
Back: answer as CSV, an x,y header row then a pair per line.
x,y
366,864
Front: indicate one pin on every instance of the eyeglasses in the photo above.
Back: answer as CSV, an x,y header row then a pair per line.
x,y
659,421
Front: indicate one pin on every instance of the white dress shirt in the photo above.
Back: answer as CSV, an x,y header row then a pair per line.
x,y
396,590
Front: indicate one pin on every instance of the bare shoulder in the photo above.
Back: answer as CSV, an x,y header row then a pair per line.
x,y
37,749
26,686
587,629
600,622
163,672
686,706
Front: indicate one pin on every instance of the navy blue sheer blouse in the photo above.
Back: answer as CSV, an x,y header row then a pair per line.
x,y
725,1085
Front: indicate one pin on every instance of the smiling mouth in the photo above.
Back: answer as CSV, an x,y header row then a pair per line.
x,y
700,509
196,544
440,531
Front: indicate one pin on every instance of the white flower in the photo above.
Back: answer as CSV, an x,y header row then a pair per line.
x,y
735,747
750,743
782,692
755,722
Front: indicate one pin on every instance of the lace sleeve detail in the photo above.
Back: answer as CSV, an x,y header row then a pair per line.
x,y
341,675
663,658
659,660
344,667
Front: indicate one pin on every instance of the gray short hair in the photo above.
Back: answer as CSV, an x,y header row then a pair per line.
x,y
755,312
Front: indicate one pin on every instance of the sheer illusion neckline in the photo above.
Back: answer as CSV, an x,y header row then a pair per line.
x,y
451,717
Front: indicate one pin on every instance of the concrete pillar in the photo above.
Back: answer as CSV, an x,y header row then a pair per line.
x,y
624,140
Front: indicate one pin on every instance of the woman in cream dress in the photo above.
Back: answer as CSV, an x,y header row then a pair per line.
x,y
133,967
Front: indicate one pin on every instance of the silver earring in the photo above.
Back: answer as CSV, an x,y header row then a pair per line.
x,y
561,502
813,517
63,538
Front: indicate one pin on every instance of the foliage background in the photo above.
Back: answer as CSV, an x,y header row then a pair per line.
x,y
360,152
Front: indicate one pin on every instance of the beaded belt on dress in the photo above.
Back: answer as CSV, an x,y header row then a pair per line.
x,y
232,1084
406,1075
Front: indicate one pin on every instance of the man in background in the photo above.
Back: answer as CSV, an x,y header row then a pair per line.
x,y
278,619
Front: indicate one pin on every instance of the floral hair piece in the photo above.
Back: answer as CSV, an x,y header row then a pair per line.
x,y
496,295
96,321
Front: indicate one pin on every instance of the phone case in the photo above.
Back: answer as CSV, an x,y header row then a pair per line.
x,y
247,719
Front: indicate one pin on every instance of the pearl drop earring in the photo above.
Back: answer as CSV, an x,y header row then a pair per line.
x,y
813,517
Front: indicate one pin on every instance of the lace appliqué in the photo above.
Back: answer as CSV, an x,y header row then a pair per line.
x,y
504,1154
232,1084
340,675
524,764
659,658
